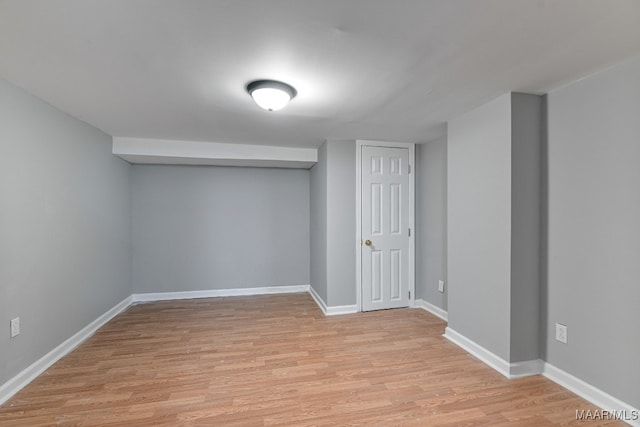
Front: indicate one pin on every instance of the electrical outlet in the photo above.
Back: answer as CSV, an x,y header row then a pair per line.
x,y
15,327
441,285
561,333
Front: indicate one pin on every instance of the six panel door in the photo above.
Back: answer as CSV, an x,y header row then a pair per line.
x,y
385,228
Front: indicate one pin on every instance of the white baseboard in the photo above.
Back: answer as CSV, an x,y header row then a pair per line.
x,y
603,400
526,368
433,309
214,293
509,370
319,301
15,384
614,406
335,310
478,351
341,309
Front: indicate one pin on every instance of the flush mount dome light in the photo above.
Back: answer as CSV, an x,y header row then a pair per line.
x,y
271,95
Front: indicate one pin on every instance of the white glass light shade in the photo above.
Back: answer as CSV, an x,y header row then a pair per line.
x,y
270,94
271,99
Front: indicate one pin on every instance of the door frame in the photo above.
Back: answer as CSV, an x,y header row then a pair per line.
x,y
412,253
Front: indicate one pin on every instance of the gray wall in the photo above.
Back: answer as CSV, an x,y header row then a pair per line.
x,y
526,145
495,185
431,221
318,219
594,229
64,227
205,228
479,225
333,223
341,223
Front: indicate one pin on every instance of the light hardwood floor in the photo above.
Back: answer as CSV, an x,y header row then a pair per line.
x,y
277,361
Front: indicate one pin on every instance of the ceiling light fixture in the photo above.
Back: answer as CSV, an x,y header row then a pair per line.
x,y
271,95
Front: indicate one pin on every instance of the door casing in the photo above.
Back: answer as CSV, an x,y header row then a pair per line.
x,y
358,244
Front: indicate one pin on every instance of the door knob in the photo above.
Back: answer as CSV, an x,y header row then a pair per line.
x,y
368,242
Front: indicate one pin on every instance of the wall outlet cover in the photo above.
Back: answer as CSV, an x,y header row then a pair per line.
x,y
15,327
561,333
441,285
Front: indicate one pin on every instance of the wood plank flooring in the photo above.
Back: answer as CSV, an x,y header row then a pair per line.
x,y
277,361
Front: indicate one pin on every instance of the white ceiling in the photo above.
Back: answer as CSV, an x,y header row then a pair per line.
x,y
366,69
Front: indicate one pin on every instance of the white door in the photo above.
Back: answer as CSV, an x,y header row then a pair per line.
x,y
385,227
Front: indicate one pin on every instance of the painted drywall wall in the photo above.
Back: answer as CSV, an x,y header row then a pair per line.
x,y
211,227
594,229
64,227
494,225
318,221
526,145
333,223
341,222
431,221
479,225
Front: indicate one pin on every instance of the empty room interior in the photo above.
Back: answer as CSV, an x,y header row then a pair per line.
x,y
315,213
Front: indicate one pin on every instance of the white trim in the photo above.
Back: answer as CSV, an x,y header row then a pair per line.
x,y
433,309
319,301
412,257
18,382
334,310
526,368
509,370
341,309
358,239
478,351
215,293
592,394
